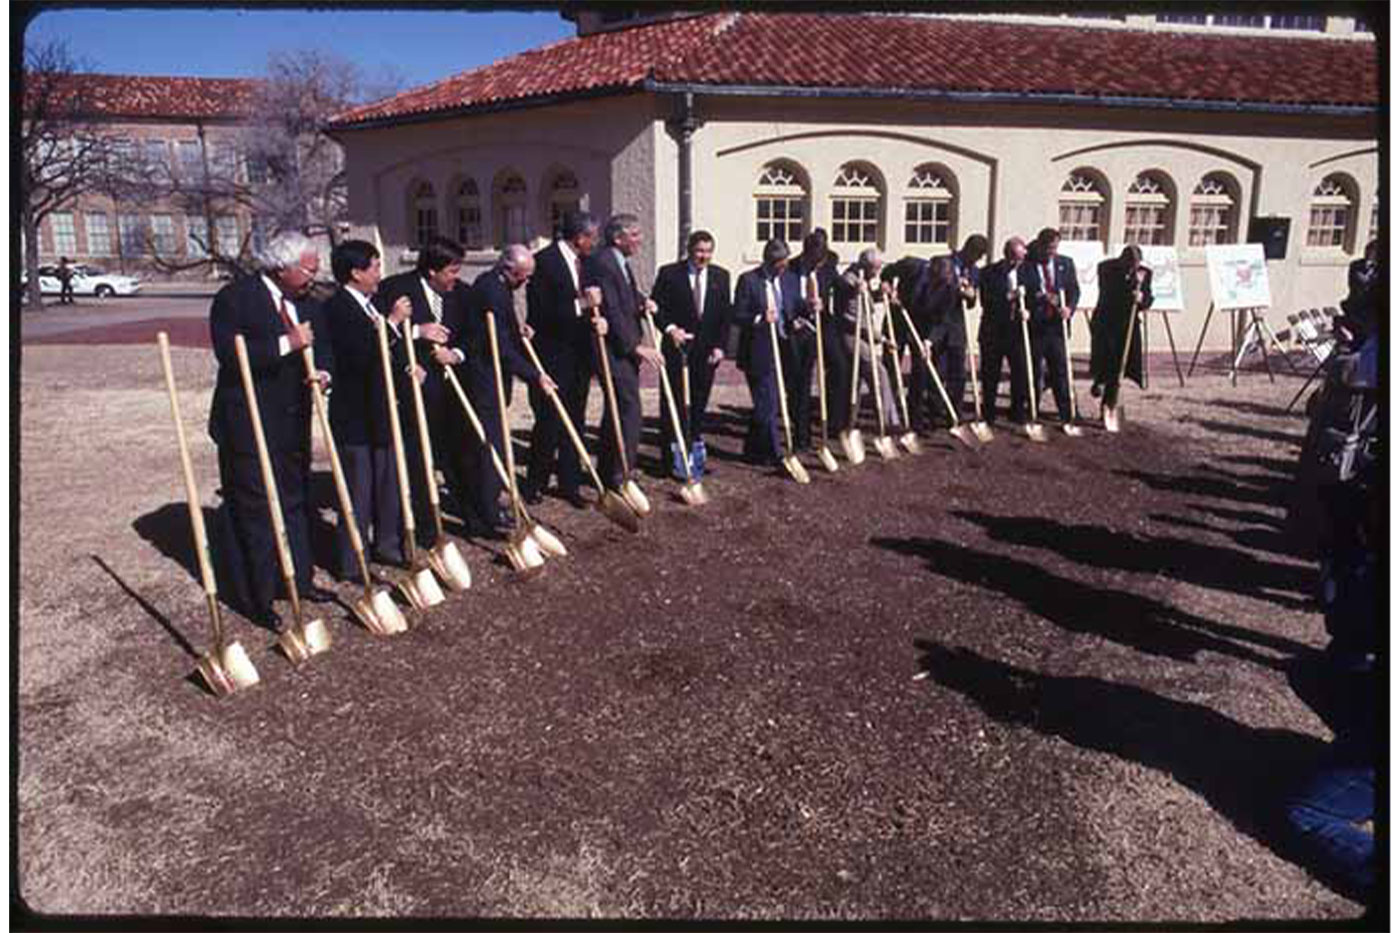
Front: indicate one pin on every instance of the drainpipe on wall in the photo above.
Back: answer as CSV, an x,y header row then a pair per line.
x,y
681,127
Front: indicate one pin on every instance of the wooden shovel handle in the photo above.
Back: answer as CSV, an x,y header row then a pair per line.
x,y
1069,373
274,501
425,440
476,424
782,389
972,368
1030,376
612,405
506,445
855,362
396,434
898,363
821,355
566,420
869,308
201,537
342,490
928,364
666,391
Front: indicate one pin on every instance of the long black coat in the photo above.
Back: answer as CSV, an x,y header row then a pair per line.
x,y
1109,327
676,305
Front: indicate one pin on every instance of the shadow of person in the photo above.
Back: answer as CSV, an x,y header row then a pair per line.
x,y
1257,539
1185,485
1243,773
1227,569
161,618
167,529
1137,622
1294,438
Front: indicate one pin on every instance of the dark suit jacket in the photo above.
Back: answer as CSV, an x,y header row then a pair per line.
x,y
998,311
560,331
360,404
411,284
284,399
939,305
675,304
469,334
750,302
1065,280
910,272
621,301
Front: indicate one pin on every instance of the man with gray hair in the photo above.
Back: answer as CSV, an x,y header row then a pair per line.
x,y
611,290
276,319
767,295
864,274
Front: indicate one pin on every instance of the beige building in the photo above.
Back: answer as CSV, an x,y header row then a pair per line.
x,y
904,132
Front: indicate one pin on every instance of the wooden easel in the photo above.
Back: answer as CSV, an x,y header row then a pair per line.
x,y
1254,334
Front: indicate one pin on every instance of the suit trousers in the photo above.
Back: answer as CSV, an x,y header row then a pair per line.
x,y
867,382
702,380
253,563
549,443
950,357
764,439
448,429
798,364
998,343
837,360
627,384
372,477
482,498
1048,360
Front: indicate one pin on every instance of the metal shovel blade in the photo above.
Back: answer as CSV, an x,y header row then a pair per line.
x,y
853,446
449,564
1110,420
796,470
636,498
692,493
983,431
230,673
964,434
379,614
316,635
293,646
910,442
885,448
523,553
421,589
827,458
616,510
1036,432
547,541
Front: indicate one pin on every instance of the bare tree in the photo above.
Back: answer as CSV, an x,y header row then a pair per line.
x,y
61,152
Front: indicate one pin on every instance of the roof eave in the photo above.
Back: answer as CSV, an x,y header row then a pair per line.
x,y
1011,97
471,110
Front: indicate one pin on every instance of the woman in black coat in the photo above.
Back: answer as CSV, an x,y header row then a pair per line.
x,y
1123,283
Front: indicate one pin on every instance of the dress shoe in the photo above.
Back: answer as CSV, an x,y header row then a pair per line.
x,y
575,498
387,558
531,494
316,594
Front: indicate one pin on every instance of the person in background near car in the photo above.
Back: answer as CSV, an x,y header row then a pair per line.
x,y
65,281
360,405
431,287
491,294
693,309
271,313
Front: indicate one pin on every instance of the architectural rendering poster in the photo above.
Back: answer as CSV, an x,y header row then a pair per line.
x,y
1238,276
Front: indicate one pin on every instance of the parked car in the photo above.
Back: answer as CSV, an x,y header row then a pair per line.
x,y
87,280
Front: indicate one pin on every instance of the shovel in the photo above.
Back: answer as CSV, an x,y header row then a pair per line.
x,y
1070,428
417,585
980,428
1034,429
790,462
443,557
692,491
636,499
852,444
612,505
884,445
225,667
962,432
697,446
908,440
1112,415
824,454
301,639
374,608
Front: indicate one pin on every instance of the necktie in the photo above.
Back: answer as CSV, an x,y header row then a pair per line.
x,y
776,297
699,296
435,304
287,322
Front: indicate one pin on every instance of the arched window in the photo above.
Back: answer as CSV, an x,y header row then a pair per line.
x,y
467,212
512,224
564,195
1083,206
780,202
930,207
1331,213
422,213
857,202
1214,211
1149,210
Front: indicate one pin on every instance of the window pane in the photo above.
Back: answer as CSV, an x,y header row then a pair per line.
x,y
163,234
133,237
226,231
196,237
191,165
99,235
65,239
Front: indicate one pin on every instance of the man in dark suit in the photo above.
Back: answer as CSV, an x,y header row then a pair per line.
x,y
1365,284
949,331
770,294
937,301
270,312
490,294
360,406
564,340
693,310
610,286
999,332
812,262
1052,294
431,288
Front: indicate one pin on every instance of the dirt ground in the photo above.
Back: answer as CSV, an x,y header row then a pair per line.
x,y
1028,683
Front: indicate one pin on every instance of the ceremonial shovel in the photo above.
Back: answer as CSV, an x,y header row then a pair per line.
x,y
225,667
375,607
908,440
301,639
697,446
636,499
443,557
613,506
1111,416
1034,429
824,454
980,427
418,585
692,492
959,431
1070,428
790,462
852,444
884,445
522,550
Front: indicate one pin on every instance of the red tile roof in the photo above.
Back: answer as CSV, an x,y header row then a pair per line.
x,y
141,96
918,54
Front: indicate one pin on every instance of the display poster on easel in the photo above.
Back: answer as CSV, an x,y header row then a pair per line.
x,y
1167,291
1087,254
1238,276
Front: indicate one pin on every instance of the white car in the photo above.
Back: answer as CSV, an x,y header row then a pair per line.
x,y
88,280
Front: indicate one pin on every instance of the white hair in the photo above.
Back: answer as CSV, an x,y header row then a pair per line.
x,y
869,256
283,251
514,256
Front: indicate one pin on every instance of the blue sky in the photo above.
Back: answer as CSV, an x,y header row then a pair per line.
x,y
422,45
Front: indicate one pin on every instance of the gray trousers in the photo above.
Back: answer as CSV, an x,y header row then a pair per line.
x,y
892,422
372,476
